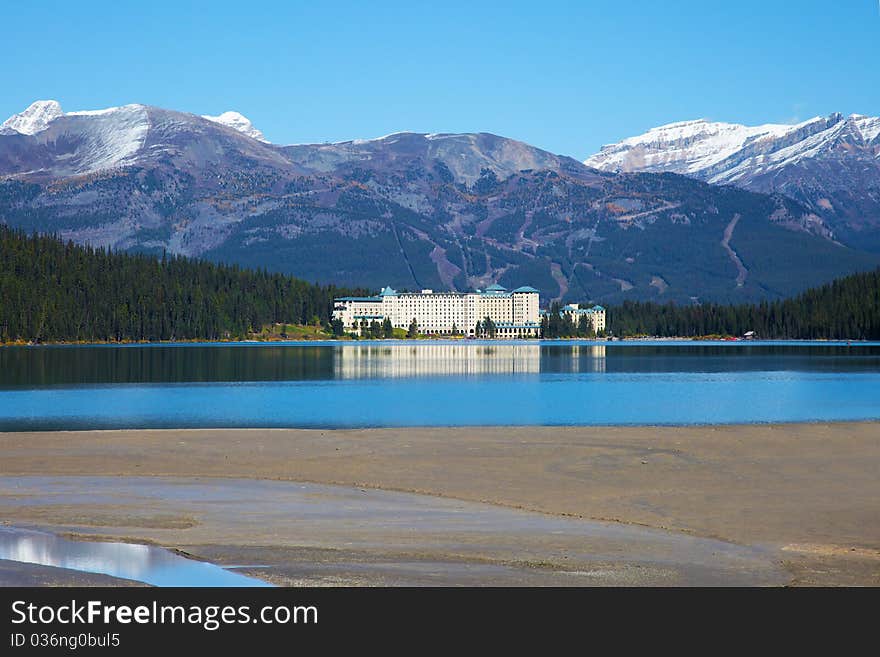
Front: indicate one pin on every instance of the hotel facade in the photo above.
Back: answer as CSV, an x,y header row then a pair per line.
x,y
515,313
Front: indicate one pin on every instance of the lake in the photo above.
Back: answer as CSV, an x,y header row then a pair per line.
x,y
455,383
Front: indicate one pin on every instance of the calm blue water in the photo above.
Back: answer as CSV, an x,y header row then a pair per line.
x,y
436,384
142,563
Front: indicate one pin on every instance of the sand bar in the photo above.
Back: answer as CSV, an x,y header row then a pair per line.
x,y
808,492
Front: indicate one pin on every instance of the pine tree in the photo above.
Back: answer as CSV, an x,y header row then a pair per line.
x,y
489,327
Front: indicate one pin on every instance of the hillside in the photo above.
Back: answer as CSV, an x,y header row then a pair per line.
x,y
847,309
52,291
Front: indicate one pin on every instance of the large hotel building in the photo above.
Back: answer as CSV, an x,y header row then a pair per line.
x,y
515,313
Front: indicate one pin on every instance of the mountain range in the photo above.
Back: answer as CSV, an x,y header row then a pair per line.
x,y
830,165
445,211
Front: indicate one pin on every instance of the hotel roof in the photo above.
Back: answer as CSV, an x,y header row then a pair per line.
x,y
581,311
577,311
493,290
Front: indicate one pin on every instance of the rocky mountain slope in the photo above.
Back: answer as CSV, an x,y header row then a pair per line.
x,y
408,210
831,165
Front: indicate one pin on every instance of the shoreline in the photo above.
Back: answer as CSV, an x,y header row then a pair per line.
x,y
808,492
455,427
331,339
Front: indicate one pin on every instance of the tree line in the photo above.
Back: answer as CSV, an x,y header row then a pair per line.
x,y
56,291
845,309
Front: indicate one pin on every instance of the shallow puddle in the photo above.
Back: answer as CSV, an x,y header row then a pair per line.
x,y
143,563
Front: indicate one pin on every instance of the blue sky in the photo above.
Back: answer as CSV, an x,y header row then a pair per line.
x,y
565,76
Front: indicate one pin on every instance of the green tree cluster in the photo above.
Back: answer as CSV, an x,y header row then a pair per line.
x,y
846,309
56,291
371,329
487,328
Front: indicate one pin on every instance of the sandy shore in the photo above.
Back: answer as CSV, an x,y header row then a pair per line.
x,y
808,494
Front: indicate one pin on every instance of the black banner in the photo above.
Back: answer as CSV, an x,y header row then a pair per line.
x,y
124,621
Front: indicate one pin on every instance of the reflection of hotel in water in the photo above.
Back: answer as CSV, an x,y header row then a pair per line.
x,y
583,358
461,359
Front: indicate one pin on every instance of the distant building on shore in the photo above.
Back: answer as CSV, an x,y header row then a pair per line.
x,y
513,313
570,321
595,315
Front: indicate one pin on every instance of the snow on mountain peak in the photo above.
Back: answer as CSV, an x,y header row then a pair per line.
x,y
34,119
238,122
133,107
868,126
725,152
93,140
688,147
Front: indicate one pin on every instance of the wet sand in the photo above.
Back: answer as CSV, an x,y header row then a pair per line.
x,y
295,533
805,495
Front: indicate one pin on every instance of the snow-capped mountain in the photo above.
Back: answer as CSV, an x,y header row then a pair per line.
x,y
43,141
238,122
33,120
831,164
728,152
54,143
41,113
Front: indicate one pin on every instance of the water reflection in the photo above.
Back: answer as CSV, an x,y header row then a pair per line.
x,y
143,563
28,367
23,367
402,383
440,359
584,358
